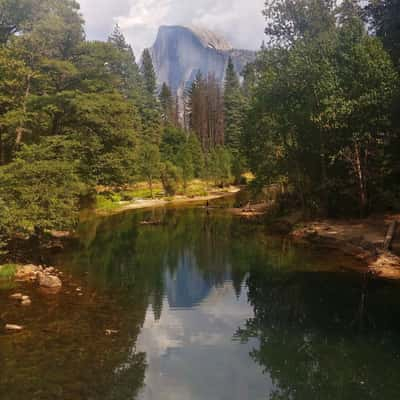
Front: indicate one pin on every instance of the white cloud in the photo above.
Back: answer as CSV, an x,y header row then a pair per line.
x,y
240,21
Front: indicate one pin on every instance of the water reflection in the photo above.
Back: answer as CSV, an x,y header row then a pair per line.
x,y
191,355
206,308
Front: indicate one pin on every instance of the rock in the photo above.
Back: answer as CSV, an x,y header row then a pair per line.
x,y
25,298
27,273
111,332
26,302
14,328
50,270
180,52
17,296
49,281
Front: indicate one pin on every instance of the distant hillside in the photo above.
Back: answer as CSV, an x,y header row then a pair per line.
x,y
180,52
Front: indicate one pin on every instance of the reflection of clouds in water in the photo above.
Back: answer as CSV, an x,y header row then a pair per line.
x,y
191,354
163,335
223,305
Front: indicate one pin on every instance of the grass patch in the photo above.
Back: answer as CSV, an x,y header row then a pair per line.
x,y
7,272
196,188
104,202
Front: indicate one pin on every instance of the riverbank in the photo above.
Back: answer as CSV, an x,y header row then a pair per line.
x,y
138,204
362,239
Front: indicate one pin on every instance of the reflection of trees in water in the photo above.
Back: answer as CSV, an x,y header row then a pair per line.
x,y
310,339
120,254
308,324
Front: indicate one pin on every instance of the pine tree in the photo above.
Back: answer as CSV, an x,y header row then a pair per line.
x,y
126,67
148,73
167,104
234,104
117,38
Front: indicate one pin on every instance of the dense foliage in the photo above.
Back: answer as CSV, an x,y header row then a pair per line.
x,y
316,113
321,120
77,116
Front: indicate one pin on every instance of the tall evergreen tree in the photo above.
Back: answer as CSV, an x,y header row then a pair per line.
x,y
233,100
234,111
167,103
126,67
148,73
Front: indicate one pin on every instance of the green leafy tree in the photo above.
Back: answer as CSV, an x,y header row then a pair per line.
x,y
384,16
170,178
149,164
219,166
316,110
53,204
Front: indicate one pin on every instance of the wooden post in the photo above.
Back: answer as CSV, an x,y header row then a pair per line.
x,y
390,236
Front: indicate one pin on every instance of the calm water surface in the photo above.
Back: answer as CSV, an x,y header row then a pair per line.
x,y
206,307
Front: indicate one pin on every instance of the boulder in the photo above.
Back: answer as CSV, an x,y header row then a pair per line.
x,y
49,281
27,273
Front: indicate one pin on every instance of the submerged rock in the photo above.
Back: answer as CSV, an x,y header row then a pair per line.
x,y
17,296
111,332
27,273
14,328
49,281
26,302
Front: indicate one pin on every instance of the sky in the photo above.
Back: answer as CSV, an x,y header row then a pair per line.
x,y
239,21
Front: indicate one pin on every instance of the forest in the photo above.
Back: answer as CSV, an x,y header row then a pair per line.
x,y
317,113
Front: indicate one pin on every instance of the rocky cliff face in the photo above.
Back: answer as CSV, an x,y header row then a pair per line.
x,y
180,52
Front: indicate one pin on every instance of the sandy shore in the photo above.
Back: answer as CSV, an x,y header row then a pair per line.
x,y
178,200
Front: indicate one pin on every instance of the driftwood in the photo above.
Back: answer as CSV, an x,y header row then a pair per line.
x,y
157,222
390,236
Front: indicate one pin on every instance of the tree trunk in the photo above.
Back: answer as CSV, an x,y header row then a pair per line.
x,y
390,236
2,156
362,187
20,129
151,187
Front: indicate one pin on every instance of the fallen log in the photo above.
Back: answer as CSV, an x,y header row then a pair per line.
x,y
387,244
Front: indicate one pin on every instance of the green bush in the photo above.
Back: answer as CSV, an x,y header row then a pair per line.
x,y
170,177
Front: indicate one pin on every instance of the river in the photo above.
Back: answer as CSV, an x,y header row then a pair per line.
x,y
203,306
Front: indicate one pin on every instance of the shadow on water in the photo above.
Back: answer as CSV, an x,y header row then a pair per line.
x,y
205,308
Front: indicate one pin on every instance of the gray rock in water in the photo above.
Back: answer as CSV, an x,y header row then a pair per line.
x,y
49,281
179,53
